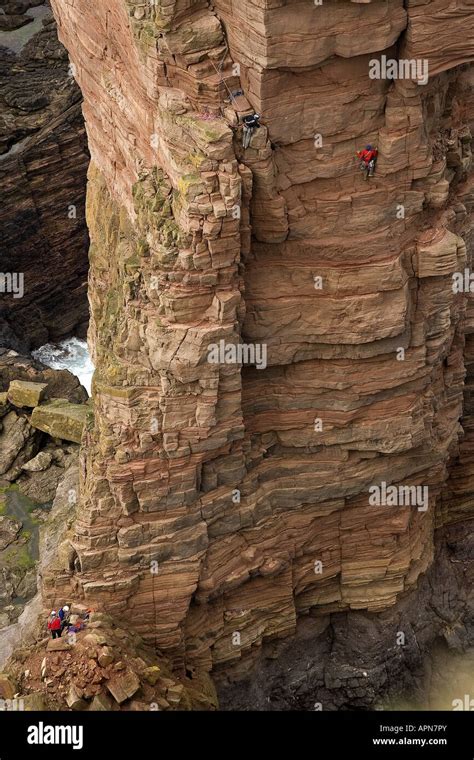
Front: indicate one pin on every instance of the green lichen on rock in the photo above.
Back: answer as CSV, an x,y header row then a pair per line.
x,y
18,556
127,261
190,185
146,33
26,394
144,28
196,158
152,194
111,310
148,21
110,371
133,264
143,248
153,201
204,132
60,419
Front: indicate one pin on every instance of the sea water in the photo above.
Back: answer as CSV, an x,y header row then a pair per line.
x,y
72,354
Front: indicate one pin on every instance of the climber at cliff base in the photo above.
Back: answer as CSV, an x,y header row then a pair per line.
x,y
251,123
64,616
54,625
368,158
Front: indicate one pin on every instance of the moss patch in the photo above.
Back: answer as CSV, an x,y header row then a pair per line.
x,y
18,557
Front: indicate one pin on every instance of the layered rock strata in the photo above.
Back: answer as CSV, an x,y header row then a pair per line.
x,y
43,165
224,502
386,660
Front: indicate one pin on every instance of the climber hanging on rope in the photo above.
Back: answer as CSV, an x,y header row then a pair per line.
x,y
368,159
251,123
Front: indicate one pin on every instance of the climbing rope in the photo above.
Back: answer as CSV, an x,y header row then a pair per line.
x,y
219,71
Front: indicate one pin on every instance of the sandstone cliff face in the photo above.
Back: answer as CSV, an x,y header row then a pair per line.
x,y
43,165
249,488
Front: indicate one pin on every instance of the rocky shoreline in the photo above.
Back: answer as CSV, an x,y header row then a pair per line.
x,y
42,414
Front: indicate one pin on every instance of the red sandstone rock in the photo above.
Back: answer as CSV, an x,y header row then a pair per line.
x,y
219,503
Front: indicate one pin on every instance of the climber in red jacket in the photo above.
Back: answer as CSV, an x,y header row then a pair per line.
x,y
54,625
368,158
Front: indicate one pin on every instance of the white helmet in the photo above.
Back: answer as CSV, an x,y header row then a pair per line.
x,y
66,608
53,612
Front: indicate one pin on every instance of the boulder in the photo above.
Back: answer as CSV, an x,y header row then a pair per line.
x,y
58,645
162,703
9,531
96,624
39,463
106,657
123,686
101,703
152,674
96,617
74,698
61,383
60,419
7,687
41,485
175,694
137,706
22,393
13,438
34,702
96,639
78,609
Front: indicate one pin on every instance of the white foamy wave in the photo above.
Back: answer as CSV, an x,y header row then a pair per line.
x,y
71,354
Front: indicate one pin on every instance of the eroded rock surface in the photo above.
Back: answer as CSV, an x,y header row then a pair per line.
x,y
246,490
43,165
33,465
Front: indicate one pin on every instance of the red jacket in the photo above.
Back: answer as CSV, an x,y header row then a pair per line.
x,y
54,624
367,155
